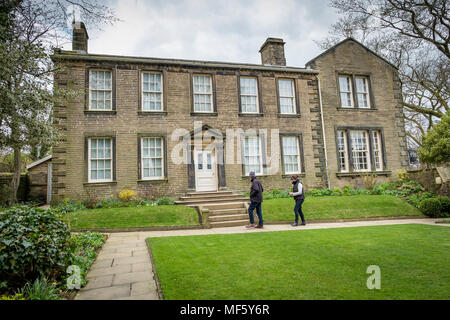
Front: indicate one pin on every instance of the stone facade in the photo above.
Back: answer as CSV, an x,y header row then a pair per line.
x,y
385,113
126,122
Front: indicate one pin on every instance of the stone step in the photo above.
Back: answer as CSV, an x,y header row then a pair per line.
x,y
210,197
209,201
231,223
228,217
202,193
219,206
220,212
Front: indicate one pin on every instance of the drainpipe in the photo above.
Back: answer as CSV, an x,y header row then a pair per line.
x,y
323,133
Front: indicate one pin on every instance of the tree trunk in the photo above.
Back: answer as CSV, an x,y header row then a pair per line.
x,y
16,176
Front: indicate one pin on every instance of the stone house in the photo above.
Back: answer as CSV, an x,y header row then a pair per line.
x,y
167,126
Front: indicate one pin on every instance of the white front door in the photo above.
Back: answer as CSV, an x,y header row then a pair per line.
x,y
205,170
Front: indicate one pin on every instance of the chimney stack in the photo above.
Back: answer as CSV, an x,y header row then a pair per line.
x,y
80,38
272,52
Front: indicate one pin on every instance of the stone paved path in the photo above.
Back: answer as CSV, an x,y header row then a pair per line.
x,y
123,269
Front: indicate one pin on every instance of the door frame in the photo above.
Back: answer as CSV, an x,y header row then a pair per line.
x,y
213,167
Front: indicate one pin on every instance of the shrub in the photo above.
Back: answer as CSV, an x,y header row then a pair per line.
x,y
33,243
369,180
445,203
320,192
165,201
68,205
17,296
41,289
431,207
336,192
127,195
415,199
402,175
84,251
347,190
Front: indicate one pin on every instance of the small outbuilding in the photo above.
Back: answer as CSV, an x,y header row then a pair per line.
x,y
40,173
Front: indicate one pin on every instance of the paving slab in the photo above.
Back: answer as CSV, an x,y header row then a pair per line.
x,y
109,293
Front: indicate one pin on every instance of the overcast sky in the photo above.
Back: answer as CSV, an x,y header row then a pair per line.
x,y
231,31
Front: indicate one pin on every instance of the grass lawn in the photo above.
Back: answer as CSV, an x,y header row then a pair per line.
x,y
321,208
308,264
129,217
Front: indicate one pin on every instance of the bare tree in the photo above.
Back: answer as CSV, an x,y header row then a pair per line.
x,y
414,35
28,30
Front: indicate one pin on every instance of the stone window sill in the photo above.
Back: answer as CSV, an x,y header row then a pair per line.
x,y
152,113
359,174
95,184
356,109
205,114
95,112
153,181
283,115
250,114
300,175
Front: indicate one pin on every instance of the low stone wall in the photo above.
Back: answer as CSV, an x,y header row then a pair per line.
x,y
22,192
427,178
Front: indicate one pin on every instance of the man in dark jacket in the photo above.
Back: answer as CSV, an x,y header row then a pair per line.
x,y
299,196
256,191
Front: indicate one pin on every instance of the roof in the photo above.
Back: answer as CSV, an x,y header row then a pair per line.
x,y
71,55
39,162
356,41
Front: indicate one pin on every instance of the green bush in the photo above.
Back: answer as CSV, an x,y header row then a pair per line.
x,y
445,203
68,205
41,289
165,201
84,251
415,199
431,207
336,192
33,244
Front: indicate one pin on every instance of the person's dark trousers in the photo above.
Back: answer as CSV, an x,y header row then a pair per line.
x,y
257,206
298,210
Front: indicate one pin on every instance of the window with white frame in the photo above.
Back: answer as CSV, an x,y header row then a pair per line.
x,y
152,91
252,155
100,90
342,150
100,159
291,155
203,98
362,92
360,150
152,161
377,150
345,91
249,95
287,96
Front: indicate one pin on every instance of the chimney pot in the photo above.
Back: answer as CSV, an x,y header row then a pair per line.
x,y
272,52
80,37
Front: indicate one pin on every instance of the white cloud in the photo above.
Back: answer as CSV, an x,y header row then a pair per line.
x,y
230,31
